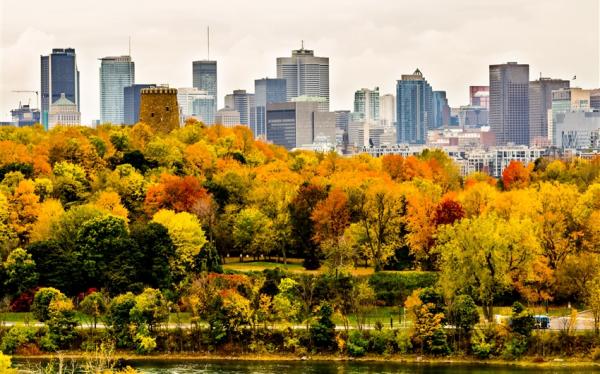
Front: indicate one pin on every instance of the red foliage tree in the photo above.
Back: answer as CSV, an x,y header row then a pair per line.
x,y
176,193
331,216
516,175
448,211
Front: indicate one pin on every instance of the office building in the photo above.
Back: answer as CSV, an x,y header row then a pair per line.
x,y
159,108
194,103
266,91
243,102
204,77
342,120
227,117
471,116
63,112
540,104
295,124
578,130
564,100
387,110
414,108
441,110
116,73
305,75
509,103
366,104
59,75
25,116
131,103
479,96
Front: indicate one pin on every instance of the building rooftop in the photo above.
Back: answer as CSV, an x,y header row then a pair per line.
x,y
63,101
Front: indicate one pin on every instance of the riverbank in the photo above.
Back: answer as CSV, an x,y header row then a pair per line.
x,y
130,358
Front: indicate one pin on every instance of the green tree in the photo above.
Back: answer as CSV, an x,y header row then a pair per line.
x,y
94,305
252,232
157,250
41,302
322,331
150,309
20,272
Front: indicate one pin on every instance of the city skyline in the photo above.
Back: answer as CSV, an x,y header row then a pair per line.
x,y
454,54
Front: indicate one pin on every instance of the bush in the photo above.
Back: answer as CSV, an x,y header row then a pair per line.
x,y
393,288
403,341
16,338
515,347
357,344
41,302
595,354
382,341
323,330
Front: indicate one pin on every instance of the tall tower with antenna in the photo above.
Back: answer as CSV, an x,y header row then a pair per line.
x,y
204,73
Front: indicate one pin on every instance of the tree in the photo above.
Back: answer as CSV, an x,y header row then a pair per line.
x,y
20,272
94,305
592,300
497,253
41,302
427,328
331,217
393,165
157,250
515,175
463,314
380,217
301,209
23,209
50,212
110,202
322,331
252,232
448,211
61,323
187,236
175,193
150,309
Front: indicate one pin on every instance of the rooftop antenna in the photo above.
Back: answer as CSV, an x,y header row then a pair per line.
x,y
302,44
208,43
129,45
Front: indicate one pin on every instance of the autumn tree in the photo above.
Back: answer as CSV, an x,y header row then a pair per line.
x,y
330,219
175,193
23,209
515,175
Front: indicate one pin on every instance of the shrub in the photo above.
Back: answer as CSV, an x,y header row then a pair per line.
x,y
41,302
323,330
595,354
357,344
403,341
16,338
382,341
145,344
515,347
394,288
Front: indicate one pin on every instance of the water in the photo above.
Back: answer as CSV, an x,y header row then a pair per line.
x,y
315,367
249,367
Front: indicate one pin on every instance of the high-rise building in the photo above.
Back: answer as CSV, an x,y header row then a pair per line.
x,y
295,124
116,73
197,104
131,103
509,103
564,101
479,96
414,108
387,110
25,116
342,120
540,103
441,110
366,104
227,117
204,77
63,112
266,91
305,75
243,102
59,75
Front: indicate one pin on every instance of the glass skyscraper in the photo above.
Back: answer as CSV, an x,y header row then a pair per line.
x,y
414,108
116,73
204,78
366,104
59,75
196,103
243,102
131,103
266,91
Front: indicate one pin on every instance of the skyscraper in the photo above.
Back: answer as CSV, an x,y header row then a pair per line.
x,y
243,102
196,103
540,103
266,91
204,77
366,104
479,96
305,75
414,108
59,75
116,73
387,110
131,103
441,110
294,124
509,103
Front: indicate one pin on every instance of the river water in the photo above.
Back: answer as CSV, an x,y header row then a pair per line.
x,y
257,367
348,367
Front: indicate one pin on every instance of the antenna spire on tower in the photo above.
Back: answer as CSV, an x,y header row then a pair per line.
x,y
302,44
208,43
129,45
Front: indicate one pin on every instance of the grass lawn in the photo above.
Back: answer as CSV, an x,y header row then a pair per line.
x,y
292,266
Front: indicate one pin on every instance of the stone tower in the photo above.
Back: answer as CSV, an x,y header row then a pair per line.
x,y
159,109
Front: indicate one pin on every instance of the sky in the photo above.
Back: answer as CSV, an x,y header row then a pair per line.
x,y
369,43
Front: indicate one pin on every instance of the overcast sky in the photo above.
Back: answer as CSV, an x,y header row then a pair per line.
x,y
369,42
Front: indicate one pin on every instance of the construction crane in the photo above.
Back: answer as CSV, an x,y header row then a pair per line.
x,y
37,96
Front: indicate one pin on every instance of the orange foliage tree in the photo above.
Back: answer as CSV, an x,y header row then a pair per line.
x,y
176,193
